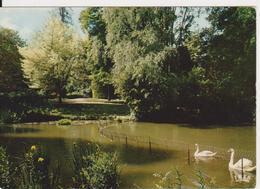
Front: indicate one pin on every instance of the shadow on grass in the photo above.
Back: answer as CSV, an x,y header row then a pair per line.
x,y
91,109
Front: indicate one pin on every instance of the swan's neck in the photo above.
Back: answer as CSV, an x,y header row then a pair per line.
x,y
197,150
231,162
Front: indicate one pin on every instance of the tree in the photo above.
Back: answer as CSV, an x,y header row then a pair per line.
x,y
234,42
50,57
147,57
99,62
65,15
226,53
11,74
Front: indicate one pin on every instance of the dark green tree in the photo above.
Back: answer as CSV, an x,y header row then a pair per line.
x,y
99,63
11,74
148,57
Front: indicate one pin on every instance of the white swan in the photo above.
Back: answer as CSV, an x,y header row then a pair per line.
x,y
205,153
247,164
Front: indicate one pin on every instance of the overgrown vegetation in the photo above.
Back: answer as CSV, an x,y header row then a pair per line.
x,y
93,168
35,171
152,58
6,180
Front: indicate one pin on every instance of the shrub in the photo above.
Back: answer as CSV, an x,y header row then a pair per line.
x,y
64,122
5,175
94,168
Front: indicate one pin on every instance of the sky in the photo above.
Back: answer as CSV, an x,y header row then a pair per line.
x,y
27,21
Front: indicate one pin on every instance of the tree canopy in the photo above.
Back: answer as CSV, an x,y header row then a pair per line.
x,y
50,57
11,74
153,58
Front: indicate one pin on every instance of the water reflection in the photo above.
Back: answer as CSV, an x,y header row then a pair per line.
x,y
237,176
14,129
199,159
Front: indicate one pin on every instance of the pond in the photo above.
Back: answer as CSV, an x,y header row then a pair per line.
x,y
136,161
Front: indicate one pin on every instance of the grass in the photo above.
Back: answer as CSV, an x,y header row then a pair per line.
x,y
89,109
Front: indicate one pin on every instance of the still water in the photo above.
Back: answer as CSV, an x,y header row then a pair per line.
x,y
137,164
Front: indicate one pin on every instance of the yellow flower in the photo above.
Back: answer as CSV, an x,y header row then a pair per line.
x,y
40,159
33,147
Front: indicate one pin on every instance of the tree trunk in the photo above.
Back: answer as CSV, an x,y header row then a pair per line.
x,y
60,99
108,93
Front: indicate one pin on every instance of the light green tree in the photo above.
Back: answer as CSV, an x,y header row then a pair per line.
x,y
50,57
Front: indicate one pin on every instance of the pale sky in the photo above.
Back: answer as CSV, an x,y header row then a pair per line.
x,y
29,20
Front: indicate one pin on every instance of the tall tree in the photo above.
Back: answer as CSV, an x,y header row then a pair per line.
x,y
234,50
226,51
143,45
99,62
11,74
50,57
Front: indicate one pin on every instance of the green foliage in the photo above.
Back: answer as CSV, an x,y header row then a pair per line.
x,y
11,75
23,106
92,22
50,57
94,168
64,122
161,66
150,57
98,62
226,53
5,173
144,57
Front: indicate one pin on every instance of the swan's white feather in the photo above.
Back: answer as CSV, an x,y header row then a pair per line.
x,y
246,163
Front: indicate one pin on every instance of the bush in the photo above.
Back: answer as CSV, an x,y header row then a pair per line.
x,y
64,122
5,175
22,106
94,168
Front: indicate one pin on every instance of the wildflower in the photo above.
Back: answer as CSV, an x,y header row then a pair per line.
x,y
40,159
33,147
